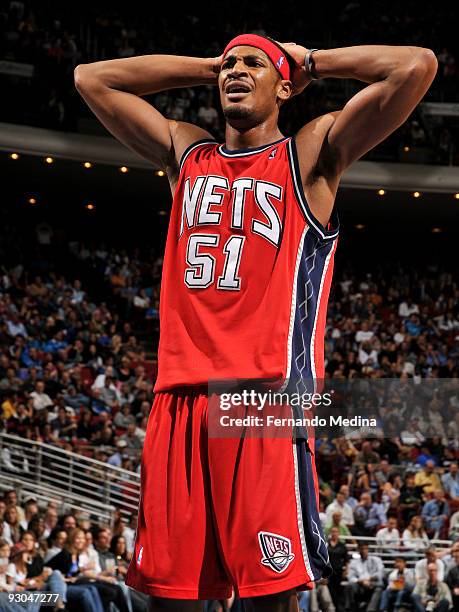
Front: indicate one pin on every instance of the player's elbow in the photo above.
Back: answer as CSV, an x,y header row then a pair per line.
x,y
425,62
80,76
84,77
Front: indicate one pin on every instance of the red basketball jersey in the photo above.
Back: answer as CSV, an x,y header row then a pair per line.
x,y
247,270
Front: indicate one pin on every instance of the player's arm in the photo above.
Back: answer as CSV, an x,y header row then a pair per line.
x,y
113,89
398,79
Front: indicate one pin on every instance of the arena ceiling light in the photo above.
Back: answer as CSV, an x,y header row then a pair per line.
x,y
49,160
360,226
160,173
456,196
416,194
436,230
123,169
381,192
406,149
90,206
87,164
32,201
14,156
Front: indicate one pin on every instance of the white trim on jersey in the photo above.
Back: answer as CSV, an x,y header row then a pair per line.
x,y
299,514
245,152
191,148
316,316
293,309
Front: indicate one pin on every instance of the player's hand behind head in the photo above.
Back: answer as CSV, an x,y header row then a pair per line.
x,y
300,77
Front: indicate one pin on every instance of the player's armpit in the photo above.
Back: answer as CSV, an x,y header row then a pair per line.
x,y
318,166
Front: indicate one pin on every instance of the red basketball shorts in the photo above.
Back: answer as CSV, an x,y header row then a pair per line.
x,y
217,514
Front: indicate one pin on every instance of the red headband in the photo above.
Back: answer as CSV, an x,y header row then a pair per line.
x,y
275,53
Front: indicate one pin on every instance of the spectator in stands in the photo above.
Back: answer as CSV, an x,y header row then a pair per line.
x,y
108,568
68,522
365,580
388,538
43,577
5,550
450,482
41,400
16,575
400,584
414,537
121,554
427,478
109,394
454,525
128,532
133,442
56,542
63,426
37,527
367,454
420,569
435,513
337,521
340,505
13,522
452,579
124,417
431,594
320,598
85,428
30,509
412,436
351,501
85,595
339,558
410,501
11,499
368,516
51,518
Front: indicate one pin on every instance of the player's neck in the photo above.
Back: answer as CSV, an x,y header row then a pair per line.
x,y
249,138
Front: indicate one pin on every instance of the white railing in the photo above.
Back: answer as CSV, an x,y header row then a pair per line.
x,y
80,483
388,553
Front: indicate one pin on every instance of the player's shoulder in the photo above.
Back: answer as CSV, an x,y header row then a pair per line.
x,y
184,135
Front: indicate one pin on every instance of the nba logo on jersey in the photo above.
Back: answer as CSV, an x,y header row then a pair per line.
x,y
280,61
139,556
272,155
277,551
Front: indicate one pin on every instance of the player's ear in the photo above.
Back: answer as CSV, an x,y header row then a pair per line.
x,y
284,90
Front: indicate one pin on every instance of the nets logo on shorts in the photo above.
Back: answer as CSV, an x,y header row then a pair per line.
x,y
277,551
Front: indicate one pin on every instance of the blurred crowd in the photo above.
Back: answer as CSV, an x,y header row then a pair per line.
x,y
54,40
77,371
82,562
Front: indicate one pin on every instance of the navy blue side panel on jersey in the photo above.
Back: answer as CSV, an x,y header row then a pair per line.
x,y
312,268
313,534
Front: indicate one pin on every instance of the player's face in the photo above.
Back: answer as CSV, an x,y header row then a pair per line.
x,y
250,87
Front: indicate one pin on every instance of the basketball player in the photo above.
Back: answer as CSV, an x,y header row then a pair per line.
x,y
246,278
